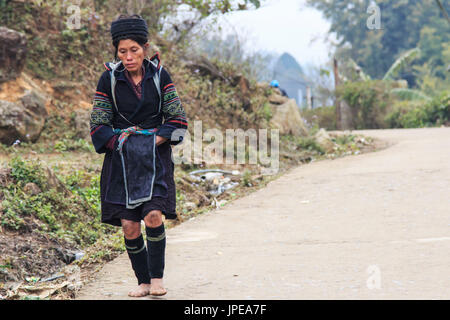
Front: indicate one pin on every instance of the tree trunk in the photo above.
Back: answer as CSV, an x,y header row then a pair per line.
x,y
336,100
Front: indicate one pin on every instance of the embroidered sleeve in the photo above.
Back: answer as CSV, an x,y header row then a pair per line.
x,y
101,117
175,121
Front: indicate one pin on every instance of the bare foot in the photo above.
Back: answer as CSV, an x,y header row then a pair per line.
x,y
141,291
157,287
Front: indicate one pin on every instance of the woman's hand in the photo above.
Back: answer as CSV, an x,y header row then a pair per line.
x,y
160,140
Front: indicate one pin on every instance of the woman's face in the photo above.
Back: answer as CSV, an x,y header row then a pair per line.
x,y
131,54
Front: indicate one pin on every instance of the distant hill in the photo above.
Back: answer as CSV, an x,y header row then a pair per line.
x,y
290,75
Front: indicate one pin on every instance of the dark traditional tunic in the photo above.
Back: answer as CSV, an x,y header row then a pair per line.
x,y
141,107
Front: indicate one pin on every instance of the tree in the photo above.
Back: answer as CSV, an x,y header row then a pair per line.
x,y
376,50
157,12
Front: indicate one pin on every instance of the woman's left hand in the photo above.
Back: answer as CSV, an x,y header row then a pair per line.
x,y
160,140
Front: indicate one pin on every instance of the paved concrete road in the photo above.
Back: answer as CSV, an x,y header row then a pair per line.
x,y
372,226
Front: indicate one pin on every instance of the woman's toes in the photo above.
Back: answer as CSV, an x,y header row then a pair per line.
x,y
141,291
157,290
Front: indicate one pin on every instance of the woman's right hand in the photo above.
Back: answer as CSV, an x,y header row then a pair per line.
x,y
160,140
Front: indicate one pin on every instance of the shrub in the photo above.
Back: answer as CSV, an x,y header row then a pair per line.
x,y
406,114
322,117
24,172
368,101
415,114
438,110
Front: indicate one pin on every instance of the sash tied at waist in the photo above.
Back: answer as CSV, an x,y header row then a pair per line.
x,y
125,133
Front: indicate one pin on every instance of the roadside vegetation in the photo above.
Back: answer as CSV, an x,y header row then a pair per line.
x,y
394,76
51,238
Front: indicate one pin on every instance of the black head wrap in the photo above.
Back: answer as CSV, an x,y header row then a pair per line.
x,y
123,28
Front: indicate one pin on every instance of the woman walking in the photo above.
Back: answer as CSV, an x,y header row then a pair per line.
x,y
136,117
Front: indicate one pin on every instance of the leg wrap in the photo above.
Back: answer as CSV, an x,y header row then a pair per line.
x,y
138,256
156,244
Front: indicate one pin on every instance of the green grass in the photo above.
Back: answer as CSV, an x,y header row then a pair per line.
x,y
74,218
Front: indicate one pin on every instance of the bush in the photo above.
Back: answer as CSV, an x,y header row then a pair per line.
x,y
24,172
438,110
323,117
368,101
406,114
416,114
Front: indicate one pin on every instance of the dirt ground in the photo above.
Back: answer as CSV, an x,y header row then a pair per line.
x,y
369,226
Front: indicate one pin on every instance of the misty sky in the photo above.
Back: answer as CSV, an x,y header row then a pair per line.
x,y
283,26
